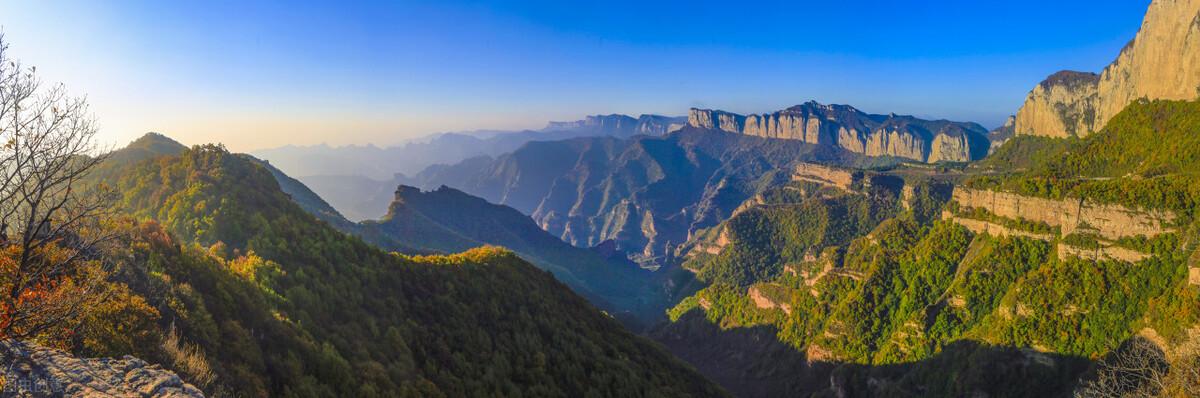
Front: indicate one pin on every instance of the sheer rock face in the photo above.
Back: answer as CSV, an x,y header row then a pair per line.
x,y
1061,106
848,128
1002,134
1162,62
824,175
43,371
1106,220
1194,269
1070,215
622,124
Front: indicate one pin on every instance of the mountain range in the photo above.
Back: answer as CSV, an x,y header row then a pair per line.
x,y
815,251
843,126
810,131
1037,271
649,195
254,295
342,174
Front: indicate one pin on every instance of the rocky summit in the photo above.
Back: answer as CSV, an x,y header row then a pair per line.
x,y
35,371
845,127
1160,63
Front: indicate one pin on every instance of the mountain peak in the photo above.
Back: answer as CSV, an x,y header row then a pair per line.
x,y
153,140
407,191
1159,63
812,106
1071,78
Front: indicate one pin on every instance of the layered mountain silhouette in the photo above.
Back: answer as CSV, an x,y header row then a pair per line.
x,y
447,220
342,174
647,194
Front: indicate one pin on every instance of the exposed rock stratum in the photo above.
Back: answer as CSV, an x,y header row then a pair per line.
x,y
1162,62
848,128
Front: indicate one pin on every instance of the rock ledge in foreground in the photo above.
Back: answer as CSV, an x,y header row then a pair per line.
x,y
32,370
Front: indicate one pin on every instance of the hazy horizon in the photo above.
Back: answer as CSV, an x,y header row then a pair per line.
x,y
264,75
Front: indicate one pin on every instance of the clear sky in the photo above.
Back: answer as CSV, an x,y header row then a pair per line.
x,y
257,74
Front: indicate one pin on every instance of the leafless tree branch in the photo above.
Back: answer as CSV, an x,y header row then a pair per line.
x,y
50,219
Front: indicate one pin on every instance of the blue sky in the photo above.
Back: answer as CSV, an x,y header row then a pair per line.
x,y
264,74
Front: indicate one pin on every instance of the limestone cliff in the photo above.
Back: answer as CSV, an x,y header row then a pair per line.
x,y
659,125
1002,134
1106,220
845,127
30,370
1162,62
1069,216
623,125
824,175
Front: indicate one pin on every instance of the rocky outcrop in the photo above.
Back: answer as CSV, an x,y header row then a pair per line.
x,y
850,180
993,229
908,195
716,120
1100,253
1061,106
845,127
622,125
659,125
710,245
31,370
824,175
1162,62
764,301
1194,269
1106,220
1002,134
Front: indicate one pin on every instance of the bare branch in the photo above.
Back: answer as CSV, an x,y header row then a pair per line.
x,y
50,228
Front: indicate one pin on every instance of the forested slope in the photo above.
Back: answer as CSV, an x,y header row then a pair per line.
x,y
447,220
885,301
268,301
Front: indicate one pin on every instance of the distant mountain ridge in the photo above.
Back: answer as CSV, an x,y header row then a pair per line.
x,y
845,127
622,125
447,148
341,175
647,194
